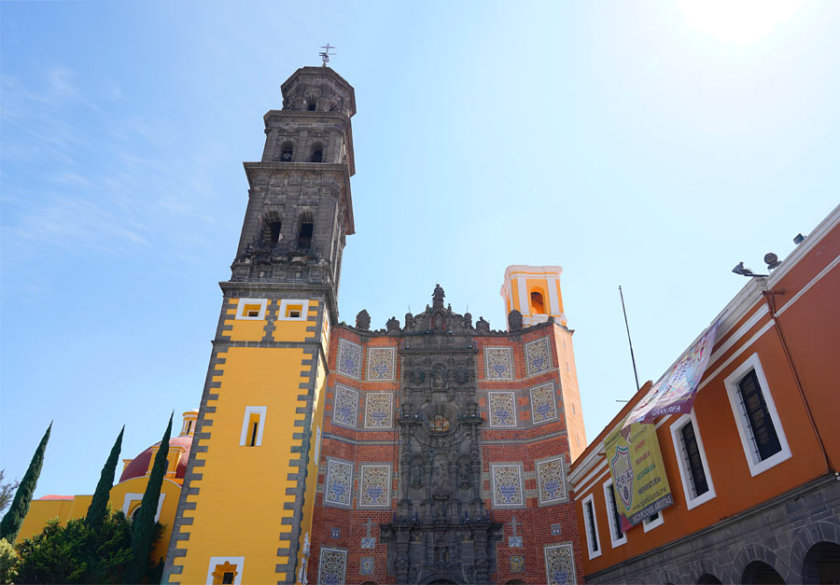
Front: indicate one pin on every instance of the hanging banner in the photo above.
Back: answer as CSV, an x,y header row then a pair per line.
x,y
674,392
639,481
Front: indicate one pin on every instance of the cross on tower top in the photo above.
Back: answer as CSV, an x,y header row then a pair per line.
x,y
325,54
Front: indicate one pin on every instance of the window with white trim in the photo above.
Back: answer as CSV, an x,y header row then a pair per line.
x,y
251,309
617,536
653,521
253,424
293,310
593,547
759,427
691,460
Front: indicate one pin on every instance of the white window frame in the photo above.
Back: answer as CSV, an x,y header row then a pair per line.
x,y
240,309
685,474
590,499
608,496
132,497
243,437
304,310
649,524
742,422
216,561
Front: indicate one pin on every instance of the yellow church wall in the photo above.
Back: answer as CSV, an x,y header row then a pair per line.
x,y
312,470
42,511
239,512
125,497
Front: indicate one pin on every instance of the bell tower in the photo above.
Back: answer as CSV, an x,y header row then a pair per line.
x,y
246,507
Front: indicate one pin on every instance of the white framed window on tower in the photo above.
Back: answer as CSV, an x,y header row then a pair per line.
x,y
593,545
251,309
762,436
617,536
691,460
253,425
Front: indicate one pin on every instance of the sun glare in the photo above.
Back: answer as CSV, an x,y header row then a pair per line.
x,y
738,21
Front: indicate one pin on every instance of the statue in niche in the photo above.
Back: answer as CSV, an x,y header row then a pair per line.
x,y
441,476
441,553
417,473
363,320
417,376
461,375
439,377
464,469
515,320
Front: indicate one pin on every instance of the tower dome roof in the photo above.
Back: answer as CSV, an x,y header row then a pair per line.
x,y
179,453
178,447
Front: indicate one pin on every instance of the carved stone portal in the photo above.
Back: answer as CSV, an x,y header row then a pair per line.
x,y
441,530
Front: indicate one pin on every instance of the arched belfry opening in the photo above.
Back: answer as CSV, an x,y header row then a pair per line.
x,y
287,151
317,154
537,303
272,229
306,228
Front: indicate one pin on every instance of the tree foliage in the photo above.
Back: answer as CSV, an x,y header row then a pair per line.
x,y
99,504
7,490
8,562
143,533
13,520
77,553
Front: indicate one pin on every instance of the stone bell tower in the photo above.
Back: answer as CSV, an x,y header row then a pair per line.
x,y
246,508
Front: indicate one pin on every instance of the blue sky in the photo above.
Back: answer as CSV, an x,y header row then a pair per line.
x,y
643,144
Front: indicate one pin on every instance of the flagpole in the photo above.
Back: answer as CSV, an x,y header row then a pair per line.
x,y
630,341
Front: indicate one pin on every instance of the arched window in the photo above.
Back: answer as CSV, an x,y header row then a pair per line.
x,y
762,573
317,153
537,304
311,104
822,563
271,233
307,228
287,152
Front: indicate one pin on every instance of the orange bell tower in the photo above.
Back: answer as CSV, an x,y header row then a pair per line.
x,y
534,291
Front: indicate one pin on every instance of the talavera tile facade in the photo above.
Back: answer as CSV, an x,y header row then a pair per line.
x,y
380,364
537,357
332,567
349,360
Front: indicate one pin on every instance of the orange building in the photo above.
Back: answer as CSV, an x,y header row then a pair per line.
x,y
752,469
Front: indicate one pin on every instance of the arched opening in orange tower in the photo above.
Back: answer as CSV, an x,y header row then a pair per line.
x,y
537,303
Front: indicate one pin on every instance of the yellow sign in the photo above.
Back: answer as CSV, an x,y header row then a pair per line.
x,y
639,481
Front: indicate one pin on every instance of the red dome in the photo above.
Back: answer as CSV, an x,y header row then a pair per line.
x,y
140,464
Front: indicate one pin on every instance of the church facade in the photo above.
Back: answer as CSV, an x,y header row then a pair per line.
x,y
434,450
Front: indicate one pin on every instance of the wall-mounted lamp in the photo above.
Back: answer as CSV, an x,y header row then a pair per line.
x,y
744,271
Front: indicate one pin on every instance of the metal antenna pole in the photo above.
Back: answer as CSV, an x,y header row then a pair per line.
x,y
630,341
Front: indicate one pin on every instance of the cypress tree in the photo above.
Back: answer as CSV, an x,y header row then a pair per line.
x,y
99,504
143,527
13,520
